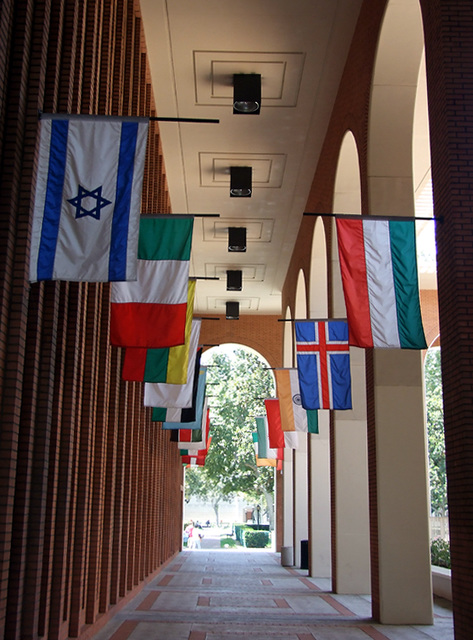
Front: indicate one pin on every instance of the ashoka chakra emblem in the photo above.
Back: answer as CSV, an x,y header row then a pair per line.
x,y
297,398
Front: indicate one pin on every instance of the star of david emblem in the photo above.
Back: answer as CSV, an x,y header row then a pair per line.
x,y
86,197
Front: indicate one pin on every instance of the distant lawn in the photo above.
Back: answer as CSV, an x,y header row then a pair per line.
x,y
228,543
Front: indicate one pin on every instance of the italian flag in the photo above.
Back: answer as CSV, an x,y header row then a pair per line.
x,y
378,264
168,364
151,312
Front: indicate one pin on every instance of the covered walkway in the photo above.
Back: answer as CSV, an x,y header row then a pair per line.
x,y
216,594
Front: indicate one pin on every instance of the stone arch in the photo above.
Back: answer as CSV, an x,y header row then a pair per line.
x,y
288,340
393,97
318,300
346,199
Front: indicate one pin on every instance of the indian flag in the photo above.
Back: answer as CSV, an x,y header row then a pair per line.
x,y
378,264
151,312
293,415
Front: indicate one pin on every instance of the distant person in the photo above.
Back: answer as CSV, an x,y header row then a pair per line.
x,y
188,532
195,538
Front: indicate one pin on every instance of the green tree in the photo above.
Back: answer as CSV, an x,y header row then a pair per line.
x,y
435,432
237,385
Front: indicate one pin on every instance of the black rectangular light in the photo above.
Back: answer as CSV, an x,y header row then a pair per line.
x,y
234,280
247,93
237,239
240,182
232,310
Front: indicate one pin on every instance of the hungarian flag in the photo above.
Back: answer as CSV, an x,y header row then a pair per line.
x,y
180,396
168,364
151,312
88,198
378,264
323,364
293,415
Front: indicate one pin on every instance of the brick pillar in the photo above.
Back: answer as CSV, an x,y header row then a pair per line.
x,y
448,42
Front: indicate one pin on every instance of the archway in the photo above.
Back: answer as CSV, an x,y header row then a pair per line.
x,y
399,527
235,483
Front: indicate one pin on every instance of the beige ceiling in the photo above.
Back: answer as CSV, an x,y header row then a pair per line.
x,y
195,46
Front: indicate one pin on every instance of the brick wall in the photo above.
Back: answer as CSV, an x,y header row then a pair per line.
x,y
90,499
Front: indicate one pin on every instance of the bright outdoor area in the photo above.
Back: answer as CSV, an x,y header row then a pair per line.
x,y
229,502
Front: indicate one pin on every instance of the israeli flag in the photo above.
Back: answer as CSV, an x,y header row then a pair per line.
x,y
88,198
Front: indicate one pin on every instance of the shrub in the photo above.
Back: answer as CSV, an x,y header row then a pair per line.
x,y
440,553
256,539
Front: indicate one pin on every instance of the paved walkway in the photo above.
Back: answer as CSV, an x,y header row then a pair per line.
x,y
214,594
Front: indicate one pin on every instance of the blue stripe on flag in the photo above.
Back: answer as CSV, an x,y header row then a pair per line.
x,y
340,380
307,367
53,199
121,213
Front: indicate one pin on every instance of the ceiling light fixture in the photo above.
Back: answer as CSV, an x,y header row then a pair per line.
x,y
246,93
240,182
232,310
237,239
234,280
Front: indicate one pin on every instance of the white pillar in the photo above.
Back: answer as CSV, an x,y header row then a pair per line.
x,y
288,501
320,538
350,492
404,574
300,494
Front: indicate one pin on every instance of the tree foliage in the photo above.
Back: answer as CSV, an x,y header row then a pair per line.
x,y
237,385
435,430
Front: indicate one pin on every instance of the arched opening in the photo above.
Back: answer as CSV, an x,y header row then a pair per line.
x,y
318,273
400,549
235,487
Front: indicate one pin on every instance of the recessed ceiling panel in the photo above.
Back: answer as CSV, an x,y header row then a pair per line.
x,y
216,229
281,75
268,168
250,272
218,304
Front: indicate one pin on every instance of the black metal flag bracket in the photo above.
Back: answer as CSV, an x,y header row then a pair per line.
x,y
181,215
312,319
358,216
150,118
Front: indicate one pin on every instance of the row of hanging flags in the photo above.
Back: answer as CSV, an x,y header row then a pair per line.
x,y
87,227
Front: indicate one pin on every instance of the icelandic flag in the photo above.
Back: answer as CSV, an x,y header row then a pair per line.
x,y
88,198
323,364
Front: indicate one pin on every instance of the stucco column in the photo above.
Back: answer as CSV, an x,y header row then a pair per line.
x,y
402,585
319,478
351,566
300,496
288,502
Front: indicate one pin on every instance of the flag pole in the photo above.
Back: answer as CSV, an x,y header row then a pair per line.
x,y
197,120
312,320
182,215
359,216
41,115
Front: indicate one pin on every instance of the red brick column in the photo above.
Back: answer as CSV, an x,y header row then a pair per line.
x,y
449,41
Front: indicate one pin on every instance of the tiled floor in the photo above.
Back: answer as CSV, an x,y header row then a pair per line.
x,y
213,594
